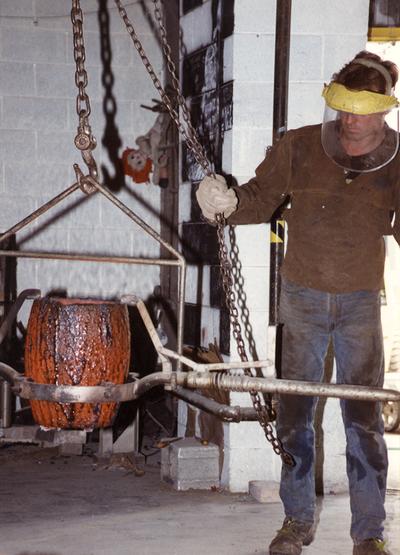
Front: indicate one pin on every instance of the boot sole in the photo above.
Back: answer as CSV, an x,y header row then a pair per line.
x,y
306,542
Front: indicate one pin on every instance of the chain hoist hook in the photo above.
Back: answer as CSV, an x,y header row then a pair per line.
x,y
85,182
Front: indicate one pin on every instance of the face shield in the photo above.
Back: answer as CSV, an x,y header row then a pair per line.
x,y
360,128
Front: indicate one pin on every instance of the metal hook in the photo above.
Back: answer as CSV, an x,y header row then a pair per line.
x,y
86,182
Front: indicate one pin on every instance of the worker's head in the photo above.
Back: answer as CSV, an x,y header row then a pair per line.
x,y
358,100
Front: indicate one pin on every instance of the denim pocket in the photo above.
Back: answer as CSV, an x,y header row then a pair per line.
x,y
301,304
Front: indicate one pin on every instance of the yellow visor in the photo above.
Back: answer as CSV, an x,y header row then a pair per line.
x,y
340,98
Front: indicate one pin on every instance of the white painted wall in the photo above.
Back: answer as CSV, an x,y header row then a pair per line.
x,y
38,124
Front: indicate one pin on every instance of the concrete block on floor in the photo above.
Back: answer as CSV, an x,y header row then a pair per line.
x,y
189,464
42,436
105,442
264,491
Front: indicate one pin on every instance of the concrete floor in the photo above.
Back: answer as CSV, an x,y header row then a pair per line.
x,y
58,505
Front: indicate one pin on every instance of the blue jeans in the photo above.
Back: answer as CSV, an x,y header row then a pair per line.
x,y
310,320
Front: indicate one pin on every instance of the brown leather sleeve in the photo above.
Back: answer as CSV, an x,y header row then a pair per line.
x,y
264,193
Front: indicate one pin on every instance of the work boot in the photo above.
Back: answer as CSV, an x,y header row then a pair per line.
x,y
291,537
373,546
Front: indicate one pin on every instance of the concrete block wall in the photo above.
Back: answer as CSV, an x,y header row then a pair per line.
x,y
322,40
38,123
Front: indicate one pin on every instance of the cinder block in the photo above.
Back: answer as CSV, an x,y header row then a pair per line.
x,y
35,45
61,144
57,81
48,239
13,209
264,492
121,48
16,78
302,66
43,8
23,9
113,241
35,113
15,141
255,16
117,280
253,104
188,464
248,150
309,18
339,49
256,67
45,180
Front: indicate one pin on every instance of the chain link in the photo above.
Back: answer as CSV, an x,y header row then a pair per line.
x,y
265,412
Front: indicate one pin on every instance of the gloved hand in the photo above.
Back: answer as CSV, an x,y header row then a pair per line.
x,y
214,197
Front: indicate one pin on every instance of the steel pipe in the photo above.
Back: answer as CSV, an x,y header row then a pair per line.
x,y
91,258
192,380
279,125
223,412
214,366
105,393
9,374
5,404
290,387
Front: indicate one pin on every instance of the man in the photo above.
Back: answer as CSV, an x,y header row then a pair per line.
x,y
342,179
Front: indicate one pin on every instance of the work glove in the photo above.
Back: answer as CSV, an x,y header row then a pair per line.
x,y
214,198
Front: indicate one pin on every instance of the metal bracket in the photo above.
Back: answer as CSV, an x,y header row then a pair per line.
x,y
12,313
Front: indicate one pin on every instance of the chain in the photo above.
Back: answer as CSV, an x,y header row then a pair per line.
x,y
265,412
81,78
84,139
188,132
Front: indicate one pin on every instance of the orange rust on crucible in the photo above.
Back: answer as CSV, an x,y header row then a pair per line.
x,y
76,342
